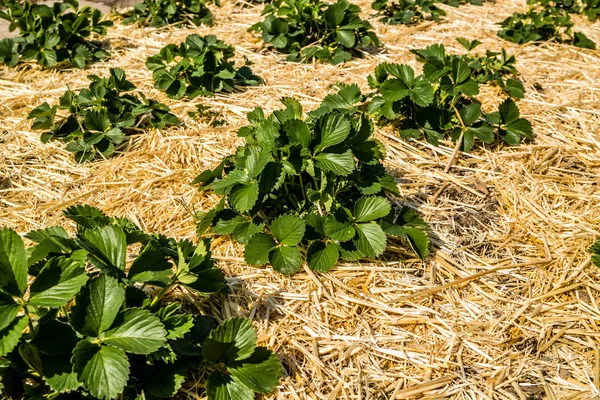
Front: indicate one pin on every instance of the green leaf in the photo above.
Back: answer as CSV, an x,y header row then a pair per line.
x,y
243,197
256,160
9,336
59,374
151,265
8,310
55,337
288,229
108,244
371,239
286,260
13,263
371,208
58,282
222,387
422,93
340,164
340,231
334,129
345,37
394,90
322,257
260,372
103,370
419,241
105,299
470,113
258,248
140,332
233,340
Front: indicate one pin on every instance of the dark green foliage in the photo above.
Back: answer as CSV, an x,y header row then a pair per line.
x,y
456,3
407,11
200,66
591,8
493,67
52,35
543,25
101,117
307,29
309,189
157,13
441,103
75,318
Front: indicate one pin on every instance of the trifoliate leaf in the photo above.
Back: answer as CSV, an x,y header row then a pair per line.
x,y
288,229
103,370
286,260
140,332
151,265
13,263
258,248
371,239
322,257
233,340
371,208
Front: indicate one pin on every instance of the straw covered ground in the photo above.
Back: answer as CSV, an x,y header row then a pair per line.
x,y
507,307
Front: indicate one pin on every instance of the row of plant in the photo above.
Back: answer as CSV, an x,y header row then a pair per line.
x,y
95,316
303,29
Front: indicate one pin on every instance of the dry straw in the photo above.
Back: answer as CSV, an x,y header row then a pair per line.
x,y
508,306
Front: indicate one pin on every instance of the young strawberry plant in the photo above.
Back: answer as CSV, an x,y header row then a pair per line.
x,y
100,118
494,67
200,66
158,13
308,29
52,35
86,317
591,8
440,103
543,25
407,11
309,189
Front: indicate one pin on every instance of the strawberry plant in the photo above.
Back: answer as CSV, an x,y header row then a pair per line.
x,y
158,13
440,103
407,11
309,189
591,8
494,67
200,66
99,118
543,25
52,35
308,29
86,317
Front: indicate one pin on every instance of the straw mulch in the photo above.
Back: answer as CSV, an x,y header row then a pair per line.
x,y
506,308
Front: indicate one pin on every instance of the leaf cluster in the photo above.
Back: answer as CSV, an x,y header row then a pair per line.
x,y
99,118
200,66
595,250
91,322
308,29
406,12
52,35
309,189
158,13
591,8
441,102
543,25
